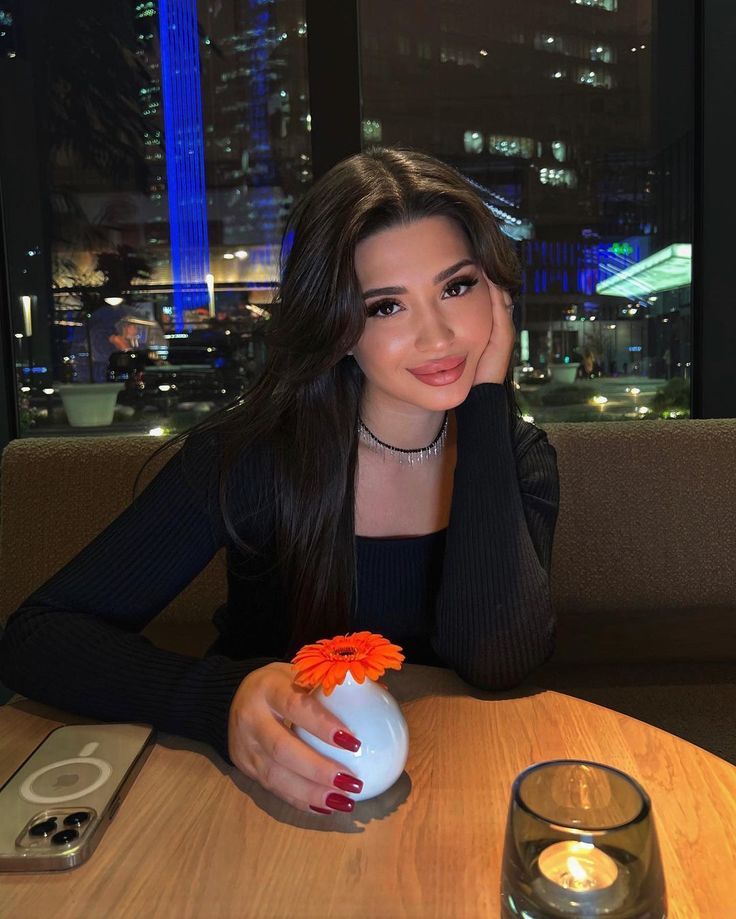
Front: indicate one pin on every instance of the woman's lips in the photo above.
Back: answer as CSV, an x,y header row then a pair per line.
x,y
440,373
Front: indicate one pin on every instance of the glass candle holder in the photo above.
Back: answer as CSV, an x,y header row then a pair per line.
x,y
580,841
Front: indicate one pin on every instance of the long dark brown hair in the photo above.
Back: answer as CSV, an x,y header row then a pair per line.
x,y
305,402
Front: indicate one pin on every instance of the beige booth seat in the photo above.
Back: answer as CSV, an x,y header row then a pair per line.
x,y
644,566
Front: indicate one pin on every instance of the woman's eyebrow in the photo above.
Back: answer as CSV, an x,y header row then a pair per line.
x,y
448,272
438,279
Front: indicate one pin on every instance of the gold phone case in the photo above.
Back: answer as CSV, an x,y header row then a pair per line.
x,y
56,806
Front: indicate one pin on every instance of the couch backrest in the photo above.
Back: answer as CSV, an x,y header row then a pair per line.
x,y
647,515
644,563
57,494
647,526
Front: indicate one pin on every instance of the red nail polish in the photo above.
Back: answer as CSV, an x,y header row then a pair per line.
x,y
339,802
348,783
319,810
346,741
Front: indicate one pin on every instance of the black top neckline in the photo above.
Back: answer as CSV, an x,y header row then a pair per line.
x,y
405,539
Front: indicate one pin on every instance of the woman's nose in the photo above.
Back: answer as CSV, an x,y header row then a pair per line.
x,y
433,332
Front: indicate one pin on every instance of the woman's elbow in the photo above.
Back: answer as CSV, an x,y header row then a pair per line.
x,y
17,643
488,672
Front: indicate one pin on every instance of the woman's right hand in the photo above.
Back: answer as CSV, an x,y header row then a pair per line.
x,y
264,748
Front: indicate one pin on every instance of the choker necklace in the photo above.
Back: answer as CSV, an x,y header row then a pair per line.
x,y
404,456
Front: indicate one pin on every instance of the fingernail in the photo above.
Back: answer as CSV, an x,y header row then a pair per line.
x,y
319,810
346,741
339,802
348,783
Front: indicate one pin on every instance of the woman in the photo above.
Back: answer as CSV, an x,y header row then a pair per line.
x,y
588,368
376,476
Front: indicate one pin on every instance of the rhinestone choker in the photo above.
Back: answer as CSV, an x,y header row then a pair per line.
x,y
401,455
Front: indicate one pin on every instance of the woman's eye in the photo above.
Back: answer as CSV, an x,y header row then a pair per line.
x,y
457,288
460,286
383,308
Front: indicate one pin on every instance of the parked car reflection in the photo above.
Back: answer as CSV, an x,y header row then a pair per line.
x,y
206,366
527,374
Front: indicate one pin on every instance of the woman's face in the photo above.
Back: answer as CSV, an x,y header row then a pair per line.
x,y
429,315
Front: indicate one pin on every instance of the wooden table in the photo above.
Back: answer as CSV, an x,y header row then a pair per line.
x,y
194,838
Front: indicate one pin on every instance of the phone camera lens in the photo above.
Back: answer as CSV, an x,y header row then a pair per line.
x,y
44,828
76,819
63,837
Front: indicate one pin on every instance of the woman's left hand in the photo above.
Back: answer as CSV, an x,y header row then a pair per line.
x,y
494,362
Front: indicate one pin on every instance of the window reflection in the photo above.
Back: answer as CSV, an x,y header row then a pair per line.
x,y
580,141
511,146
165,153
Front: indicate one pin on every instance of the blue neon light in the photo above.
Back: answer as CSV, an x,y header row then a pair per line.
x,y
183,124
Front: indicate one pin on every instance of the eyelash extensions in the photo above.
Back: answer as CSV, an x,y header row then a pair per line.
x,y
469,282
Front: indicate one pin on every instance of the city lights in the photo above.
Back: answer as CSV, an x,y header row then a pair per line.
x,y
26,303
210,281
664,270
226,109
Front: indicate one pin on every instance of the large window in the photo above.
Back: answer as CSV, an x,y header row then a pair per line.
x,y
565,116
157,146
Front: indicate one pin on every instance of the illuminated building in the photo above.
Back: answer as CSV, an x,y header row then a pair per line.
x,y
254,137
553,105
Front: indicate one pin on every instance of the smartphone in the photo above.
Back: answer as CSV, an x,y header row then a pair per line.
x,y
56,806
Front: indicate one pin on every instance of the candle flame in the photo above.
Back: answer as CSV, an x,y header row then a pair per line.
x,y
577,871
582,867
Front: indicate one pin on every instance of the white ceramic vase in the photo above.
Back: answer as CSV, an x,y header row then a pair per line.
x,y
374,717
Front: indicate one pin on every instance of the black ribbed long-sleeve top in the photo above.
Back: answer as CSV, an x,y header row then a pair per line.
x,y
474,597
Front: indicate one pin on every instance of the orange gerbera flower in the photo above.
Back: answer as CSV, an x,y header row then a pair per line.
x,y
327,662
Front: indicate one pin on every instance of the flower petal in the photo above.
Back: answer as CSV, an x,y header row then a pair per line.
x,y
326,662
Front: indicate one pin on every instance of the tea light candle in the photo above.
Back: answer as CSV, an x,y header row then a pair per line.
x,y
575,874
578,866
